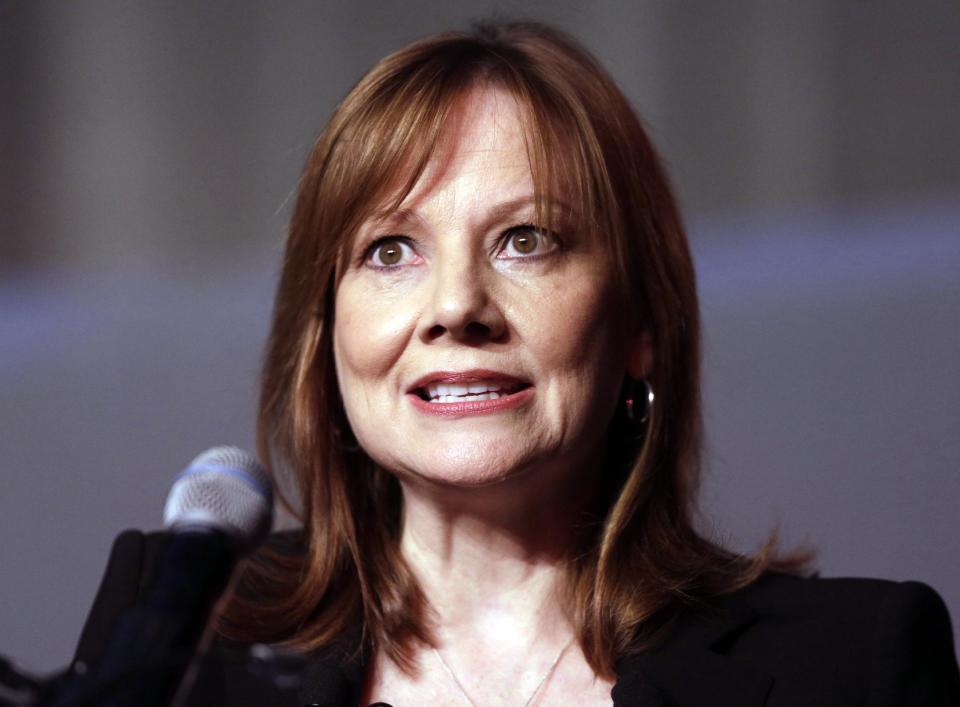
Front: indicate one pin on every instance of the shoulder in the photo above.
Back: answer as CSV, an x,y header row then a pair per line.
x,y
787,641
880,640
873,610
847,600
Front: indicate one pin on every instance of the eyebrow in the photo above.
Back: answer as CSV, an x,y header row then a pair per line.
x,y
508,208
395,217
499,212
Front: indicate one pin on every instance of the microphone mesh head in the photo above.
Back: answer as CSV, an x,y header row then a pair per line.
x,y
225,489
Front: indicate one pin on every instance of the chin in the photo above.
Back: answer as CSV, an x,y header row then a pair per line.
x,y
465,466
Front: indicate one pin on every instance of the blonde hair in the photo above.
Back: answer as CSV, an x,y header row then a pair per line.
x,y
639,560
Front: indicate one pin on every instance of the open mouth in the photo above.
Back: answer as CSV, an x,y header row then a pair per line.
x,y
473,391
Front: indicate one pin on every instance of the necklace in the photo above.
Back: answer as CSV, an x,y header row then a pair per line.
x,y
543,681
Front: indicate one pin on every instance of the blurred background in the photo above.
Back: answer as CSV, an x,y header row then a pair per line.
x,y
148,152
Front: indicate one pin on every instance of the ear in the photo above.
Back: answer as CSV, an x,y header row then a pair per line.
x,y
640,355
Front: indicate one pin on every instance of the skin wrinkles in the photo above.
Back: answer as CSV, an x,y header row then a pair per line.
x,y
547,319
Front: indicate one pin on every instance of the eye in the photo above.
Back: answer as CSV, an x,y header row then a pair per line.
x,y
390,252
526,241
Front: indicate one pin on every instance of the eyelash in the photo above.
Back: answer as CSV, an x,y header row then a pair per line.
x,y
552,238
367,257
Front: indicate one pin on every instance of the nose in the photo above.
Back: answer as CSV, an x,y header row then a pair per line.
x,y
463,304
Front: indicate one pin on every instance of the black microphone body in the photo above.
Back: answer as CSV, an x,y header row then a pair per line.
x,y
219,508
154,643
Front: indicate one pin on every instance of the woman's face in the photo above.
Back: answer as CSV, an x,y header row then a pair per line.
x,y
471,346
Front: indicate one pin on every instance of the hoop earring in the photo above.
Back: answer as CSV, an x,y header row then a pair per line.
x,y
639,401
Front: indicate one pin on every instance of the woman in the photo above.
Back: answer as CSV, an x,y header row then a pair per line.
x,y
483,377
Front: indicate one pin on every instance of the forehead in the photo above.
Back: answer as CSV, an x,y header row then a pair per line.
x,y
486,119
480,156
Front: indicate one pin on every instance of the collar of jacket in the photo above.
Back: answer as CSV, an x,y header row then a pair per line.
x,y
688,670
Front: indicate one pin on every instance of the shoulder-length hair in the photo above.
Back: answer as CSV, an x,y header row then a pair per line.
x,y
639,558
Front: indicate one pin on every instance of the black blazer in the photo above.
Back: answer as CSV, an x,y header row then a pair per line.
x,y
782,642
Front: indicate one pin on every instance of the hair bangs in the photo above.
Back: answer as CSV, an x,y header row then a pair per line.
x,y
384,153
566,165
566,151
405,116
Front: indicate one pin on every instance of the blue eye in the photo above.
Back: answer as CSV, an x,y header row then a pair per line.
x,y
527,241
390,252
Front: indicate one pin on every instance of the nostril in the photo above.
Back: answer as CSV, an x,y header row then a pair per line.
x,y
468,331
473,331
436,331
477,330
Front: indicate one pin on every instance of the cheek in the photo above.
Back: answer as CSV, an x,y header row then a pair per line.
x,y
369,336
584,328
584,345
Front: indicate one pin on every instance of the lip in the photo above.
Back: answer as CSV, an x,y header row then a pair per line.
x,y
470,407
474,374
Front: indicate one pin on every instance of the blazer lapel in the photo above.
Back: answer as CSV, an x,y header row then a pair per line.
x,y
688,671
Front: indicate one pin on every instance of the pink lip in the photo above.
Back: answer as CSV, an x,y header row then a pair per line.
x,y
474,374
469,407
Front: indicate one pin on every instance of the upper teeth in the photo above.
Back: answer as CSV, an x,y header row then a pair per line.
x,y
442,390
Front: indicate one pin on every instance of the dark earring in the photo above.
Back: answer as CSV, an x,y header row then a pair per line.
x,y
639,401
348,443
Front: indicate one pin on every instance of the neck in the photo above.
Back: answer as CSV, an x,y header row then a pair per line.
x,y
490,560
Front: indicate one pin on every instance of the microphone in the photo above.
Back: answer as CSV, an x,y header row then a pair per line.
x,y
219,508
